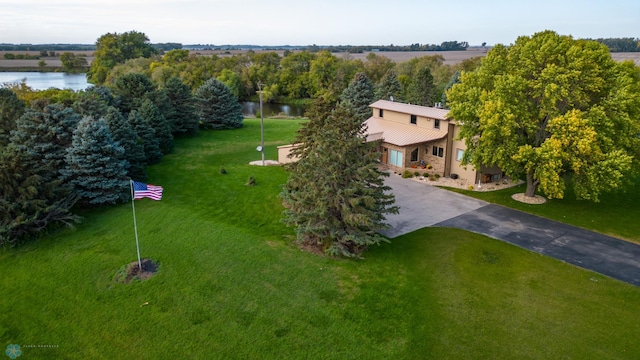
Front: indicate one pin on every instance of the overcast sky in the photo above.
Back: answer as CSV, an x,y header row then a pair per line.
x,y
321,22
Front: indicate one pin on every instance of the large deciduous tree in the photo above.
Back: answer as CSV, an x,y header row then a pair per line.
x,y
72,63
217,107
550,106
335,195
114,49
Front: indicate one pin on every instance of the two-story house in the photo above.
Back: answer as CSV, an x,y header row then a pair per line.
x,y
414,136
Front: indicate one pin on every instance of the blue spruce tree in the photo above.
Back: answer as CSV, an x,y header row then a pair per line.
x,y
133,145
218,108
154,117
95,164
181,113
148,135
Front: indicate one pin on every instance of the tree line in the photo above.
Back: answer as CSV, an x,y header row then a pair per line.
x,y
295,75
63,151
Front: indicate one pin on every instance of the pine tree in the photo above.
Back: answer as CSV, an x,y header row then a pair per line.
x,y
45,135
318,113
132,89
154,117
91,103
181,114
389,87
218,108
29,202
11,108
96,164
335,195
359,94
421,90
455,79
133,145
144,130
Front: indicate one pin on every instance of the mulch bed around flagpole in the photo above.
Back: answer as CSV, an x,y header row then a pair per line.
x,y
131,271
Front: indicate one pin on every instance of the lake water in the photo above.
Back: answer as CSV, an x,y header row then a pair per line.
x,y
251,108
46,80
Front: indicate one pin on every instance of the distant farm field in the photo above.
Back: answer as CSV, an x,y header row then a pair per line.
x,y
450,57
52,61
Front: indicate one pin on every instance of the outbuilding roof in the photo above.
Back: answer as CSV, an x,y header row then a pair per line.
x,y
400,134
429,112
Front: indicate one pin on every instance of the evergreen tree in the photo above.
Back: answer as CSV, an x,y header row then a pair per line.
x,y
455,79
133,89
389,87
181,114
133,145
421,90
90,104
29,202
154,117
11,108
146,132
335,195
359,94
45,135
96,164
218,108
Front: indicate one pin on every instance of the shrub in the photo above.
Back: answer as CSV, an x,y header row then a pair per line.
x,y
407,174
416,173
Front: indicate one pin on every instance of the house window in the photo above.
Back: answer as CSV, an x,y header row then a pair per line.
x,y
459,154
414,155
395,158
414,119
380,113
437,151
436,124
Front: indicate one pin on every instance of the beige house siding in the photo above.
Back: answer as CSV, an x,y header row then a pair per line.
x,y
447,146
283,154
405,137
466,173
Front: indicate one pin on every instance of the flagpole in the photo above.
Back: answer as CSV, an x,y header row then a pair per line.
x,y
135,224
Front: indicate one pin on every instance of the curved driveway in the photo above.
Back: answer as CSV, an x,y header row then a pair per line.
x,y
422,205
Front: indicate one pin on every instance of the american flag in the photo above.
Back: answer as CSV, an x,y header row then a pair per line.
x,y
142,190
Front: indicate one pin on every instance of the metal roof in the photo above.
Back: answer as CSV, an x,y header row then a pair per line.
x,y
429,112
400,134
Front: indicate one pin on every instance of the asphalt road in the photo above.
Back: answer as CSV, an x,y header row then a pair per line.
x,y
422,205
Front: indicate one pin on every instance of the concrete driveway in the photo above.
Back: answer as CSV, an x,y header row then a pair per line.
x,y
422,205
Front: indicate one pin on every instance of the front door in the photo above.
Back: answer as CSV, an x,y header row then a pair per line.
x,y
385,155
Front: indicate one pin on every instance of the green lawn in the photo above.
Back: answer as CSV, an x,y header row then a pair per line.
x,y
232,286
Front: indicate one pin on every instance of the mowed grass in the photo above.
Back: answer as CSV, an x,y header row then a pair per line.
x,y
231,285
